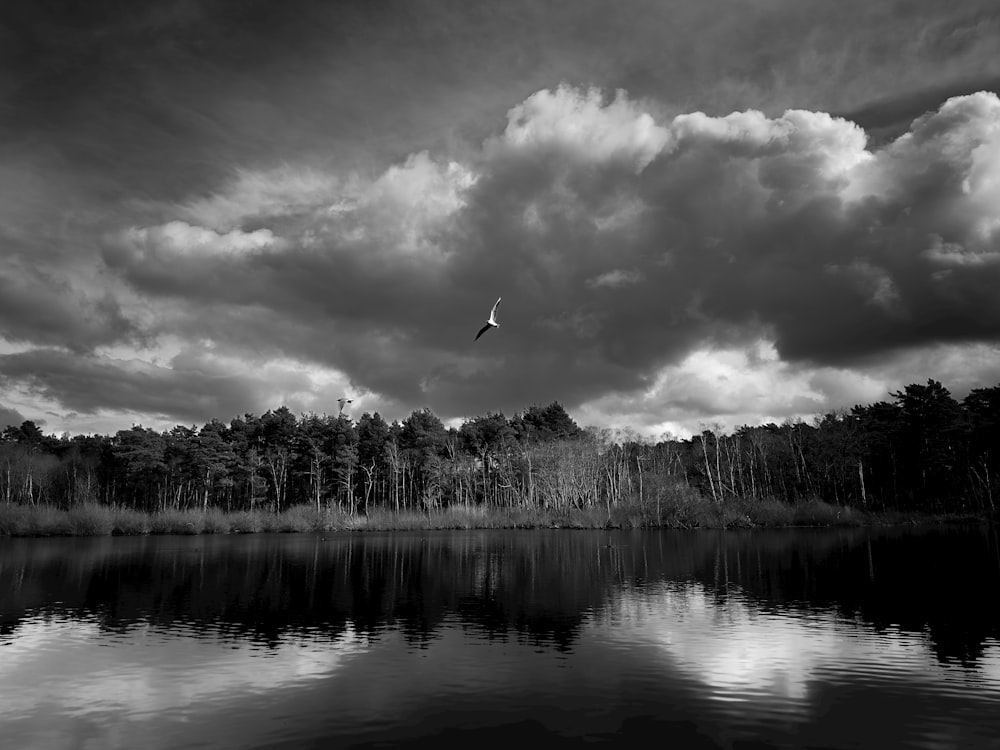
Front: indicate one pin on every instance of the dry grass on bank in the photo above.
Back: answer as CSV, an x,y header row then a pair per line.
x,y
679,507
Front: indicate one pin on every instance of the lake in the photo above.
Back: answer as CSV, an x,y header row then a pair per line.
x,y
818,638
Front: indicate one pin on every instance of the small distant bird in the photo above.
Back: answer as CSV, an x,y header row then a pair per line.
x,y
492,322
343,402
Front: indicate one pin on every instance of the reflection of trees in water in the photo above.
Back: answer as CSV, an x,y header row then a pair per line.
x,y
534,586
264,587
942,581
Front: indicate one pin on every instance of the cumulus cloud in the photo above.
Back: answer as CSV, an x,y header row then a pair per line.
x,y
363,232
726,387
818,201
581,127
627,247
404,208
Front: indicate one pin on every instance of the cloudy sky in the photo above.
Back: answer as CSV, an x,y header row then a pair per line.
x,y
698,213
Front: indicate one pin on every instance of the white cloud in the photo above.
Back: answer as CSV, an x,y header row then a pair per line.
x,y
402,209
733,386
954,254
751,385
828,147
397,212
253,194
163,385
583,126
949,161
181,238
615,279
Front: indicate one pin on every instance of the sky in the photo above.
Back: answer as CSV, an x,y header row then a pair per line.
x,y
699,213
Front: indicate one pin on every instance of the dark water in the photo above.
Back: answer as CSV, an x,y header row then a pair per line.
x,y
793,638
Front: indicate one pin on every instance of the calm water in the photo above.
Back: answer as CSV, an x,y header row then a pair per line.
x,y
793,638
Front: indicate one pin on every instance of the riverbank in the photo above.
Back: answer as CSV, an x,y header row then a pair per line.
x,y
99,520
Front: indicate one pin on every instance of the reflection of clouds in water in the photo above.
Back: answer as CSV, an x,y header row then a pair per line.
x,y
744,653
989,663
83,669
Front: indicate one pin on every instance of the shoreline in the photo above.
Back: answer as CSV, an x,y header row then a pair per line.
x,y
99,520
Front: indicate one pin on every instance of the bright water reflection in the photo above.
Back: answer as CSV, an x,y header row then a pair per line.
x,y
812,678
794,638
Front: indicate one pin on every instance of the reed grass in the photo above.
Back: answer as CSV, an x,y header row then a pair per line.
x,y
300,518
41,520
129,522
91,520
247,522
677,507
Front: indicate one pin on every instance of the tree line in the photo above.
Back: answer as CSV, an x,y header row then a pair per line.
x,y
923,450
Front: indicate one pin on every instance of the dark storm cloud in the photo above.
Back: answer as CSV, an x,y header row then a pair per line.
x,y
166,97
619,243
310,180
10,417
41,309
748,226
187,390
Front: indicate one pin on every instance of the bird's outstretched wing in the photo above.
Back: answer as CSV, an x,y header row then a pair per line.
x,y
493,312
482,330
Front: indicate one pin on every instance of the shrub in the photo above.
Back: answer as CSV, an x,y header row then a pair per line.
x,y
14,520
45,520
215,521
176,522
91,520
246,522
817,513
300,518
130,522
770,513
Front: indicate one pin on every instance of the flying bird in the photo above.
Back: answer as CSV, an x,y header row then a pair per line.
x,y
492,322
343,402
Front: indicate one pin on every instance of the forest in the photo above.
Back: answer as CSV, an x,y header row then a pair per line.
x,y
921,451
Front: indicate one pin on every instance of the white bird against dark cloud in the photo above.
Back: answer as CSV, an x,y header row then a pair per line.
x,y
492,322
343,401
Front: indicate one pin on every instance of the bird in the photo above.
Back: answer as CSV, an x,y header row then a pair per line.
x,y
343,402
492,322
